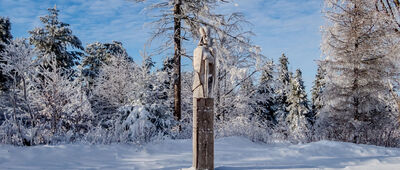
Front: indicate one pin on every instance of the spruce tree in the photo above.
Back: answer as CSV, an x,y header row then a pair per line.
x,y
167,69
298,109
56,38
265,97
282,89
316,92
5,38
246,103
98,54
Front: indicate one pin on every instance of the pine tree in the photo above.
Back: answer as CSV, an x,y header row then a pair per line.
x,y
298,109
5,38
98,54
56,38
245,105
358,43
316,92
282,89
167,70
265,97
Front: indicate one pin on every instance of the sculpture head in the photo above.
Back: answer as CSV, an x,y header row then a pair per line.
x,y
205,36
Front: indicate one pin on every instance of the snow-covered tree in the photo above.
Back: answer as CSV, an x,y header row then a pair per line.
x,y
246,99
131,102
56,38
149,94
265,97
167,68
361,52
282,89
19,66
298,109
317,90
98,54
48,109
187,106
5,31
391,10
114,87
64,112
5,38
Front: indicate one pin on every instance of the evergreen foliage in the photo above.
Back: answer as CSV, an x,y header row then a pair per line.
x,y
56,38
316,92
113,99
265,97
5,38
98,54
298,118
282,89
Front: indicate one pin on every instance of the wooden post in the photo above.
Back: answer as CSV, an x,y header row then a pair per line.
x,y
203,133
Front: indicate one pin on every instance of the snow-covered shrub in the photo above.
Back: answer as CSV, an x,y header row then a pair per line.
x,y
243,126
64,112
45,103
140,124
17,109
131,102
185,125
114,87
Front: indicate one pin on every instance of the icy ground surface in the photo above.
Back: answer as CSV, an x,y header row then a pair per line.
x,y
230,153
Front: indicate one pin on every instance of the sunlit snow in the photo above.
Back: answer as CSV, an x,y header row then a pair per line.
x,y
230,153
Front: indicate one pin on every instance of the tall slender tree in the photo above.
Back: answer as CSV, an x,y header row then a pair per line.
x,y
316,92
299,111
177,59
265,97
5,38
282,89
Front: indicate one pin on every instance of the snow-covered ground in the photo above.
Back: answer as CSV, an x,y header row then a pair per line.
x,y
230,153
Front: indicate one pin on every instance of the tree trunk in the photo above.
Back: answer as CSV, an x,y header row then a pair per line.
x,y
177,60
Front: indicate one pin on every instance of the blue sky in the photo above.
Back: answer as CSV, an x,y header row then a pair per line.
x,y
281,26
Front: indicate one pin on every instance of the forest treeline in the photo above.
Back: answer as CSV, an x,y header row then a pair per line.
x,y
55,90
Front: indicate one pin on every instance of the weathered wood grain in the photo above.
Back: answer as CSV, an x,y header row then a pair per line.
x,y
203,133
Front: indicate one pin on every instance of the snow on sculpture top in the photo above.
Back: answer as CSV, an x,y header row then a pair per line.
x,y
204,66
